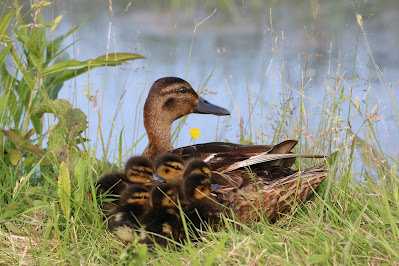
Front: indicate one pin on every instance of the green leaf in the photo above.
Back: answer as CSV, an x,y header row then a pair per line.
x,y
58,107
29,134
69,74
34,149
4,22
110,60
26,75
62,137
3,54
79,175
14,136
15,156
64,189
37,124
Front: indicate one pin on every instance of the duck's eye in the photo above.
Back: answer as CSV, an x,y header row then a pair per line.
x,y
182,89
143,171
176,167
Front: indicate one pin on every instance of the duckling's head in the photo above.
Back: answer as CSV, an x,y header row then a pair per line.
x,y
164,195
169,166
135,194
197,166
197,187
139,170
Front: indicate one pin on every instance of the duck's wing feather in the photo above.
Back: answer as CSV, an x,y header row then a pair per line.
x,y
267,157
221,154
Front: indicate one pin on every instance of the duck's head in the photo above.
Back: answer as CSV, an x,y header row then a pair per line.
x,y
139,170
164,195
135,194
197,187
169,166
172,98
169,99
197,166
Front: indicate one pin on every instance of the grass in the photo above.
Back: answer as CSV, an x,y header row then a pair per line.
x,y
348,220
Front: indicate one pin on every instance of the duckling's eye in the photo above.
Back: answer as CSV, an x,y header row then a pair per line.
x,y
143,171
176,167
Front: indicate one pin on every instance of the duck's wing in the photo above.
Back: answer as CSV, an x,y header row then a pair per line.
x,y
267,157
221,155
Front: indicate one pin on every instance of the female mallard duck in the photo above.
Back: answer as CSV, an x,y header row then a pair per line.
x,y
162,222
138,170
171,98
126,217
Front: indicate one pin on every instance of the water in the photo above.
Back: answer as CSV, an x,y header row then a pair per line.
x,y
236,49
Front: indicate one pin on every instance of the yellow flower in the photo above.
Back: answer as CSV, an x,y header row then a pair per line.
x,y
194,133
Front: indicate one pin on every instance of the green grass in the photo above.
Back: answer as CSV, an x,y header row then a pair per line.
x,y
348,221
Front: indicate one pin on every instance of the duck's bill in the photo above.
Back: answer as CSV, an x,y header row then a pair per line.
x,y
157,178
214,187
205,107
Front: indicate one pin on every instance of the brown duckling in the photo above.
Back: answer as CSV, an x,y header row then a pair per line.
x,y
125,218
162,222
138,170
171,98
169,167
197,166
201,212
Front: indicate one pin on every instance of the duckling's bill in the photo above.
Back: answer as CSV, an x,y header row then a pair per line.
x,y
214,187
157,178
205,107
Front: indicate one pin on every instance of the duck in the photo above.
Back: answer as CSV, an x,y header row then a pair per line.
x,y
236,168
138,170
162,223
125,219
201,211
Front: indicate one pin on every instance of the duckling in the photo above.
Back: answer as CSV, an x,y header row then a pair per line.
x,y
201,211
170,167
171,98
162,221
197,166
138,170
125,218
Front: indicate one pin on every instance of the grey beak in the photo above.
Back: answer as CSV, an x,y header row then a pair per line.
x,y
157,178
214,187
205,107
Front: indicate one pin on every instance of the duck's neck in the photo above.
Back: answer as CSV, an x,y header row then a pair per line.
x,y
159,136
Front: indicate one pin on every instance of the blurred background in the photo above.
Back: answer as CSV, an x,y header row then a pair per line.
x,y
250,57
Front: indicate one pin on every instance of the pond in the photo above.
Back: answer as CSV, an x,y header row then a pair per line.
x,y
256,57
